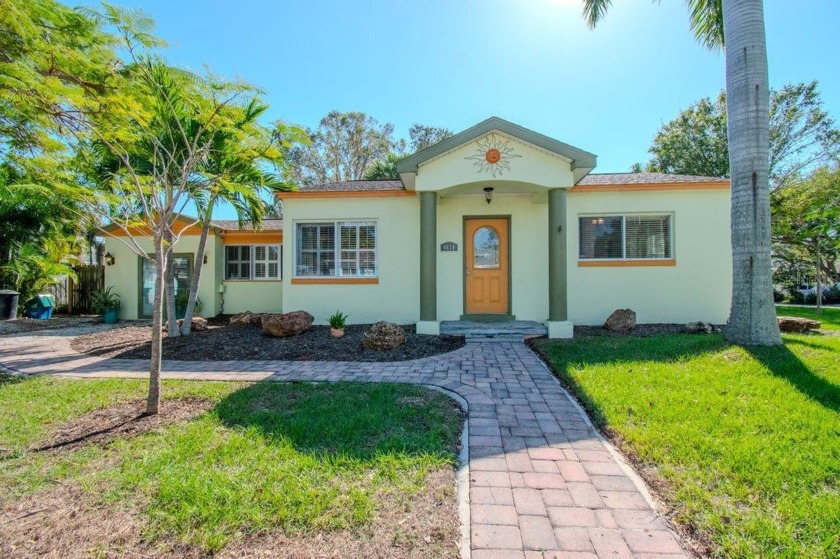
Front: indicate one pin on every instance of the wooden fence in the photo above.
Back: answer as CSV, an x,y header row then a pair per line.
x,y
90,279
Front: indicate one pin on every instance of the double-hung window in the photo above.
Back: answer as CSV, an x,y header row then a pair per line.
x,y
253,262
625,237
336,249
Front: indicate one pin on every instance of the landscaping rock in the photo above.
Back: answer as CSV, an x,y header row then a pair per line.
x,y
700,328
288,324
199,324
246,318
796,324
621,320
384,335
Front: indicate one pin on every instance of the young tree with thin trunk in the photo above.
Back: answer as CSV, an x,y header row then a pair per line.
x,y
240,170
752,315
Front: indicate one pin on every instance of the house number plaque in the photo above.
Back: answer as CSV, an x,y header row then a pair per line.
x,y
449,247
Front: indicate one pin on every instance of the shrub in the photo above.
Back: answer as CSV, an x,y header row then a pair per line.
x,y
338,320
105,299
181,300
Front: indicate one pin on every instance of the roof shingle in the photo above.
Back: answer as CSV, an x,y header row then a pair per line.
x,y
233,225
354,186
641,178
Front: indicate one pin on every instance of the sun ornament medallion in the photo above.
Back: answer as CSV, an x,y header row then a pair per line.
x,y
493,155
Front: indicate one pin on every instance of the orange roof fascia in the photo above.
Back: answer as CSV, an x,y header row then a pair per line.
x,y
711,185
345,194
252,237
146,232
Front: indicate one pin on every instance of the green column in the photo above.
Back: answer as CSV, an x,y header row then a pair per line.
x,y
428,256
557,231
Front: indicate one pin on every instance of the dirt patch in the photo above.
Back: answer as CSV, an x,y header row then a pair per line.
x,y
66,522
24,325
123,420
221,342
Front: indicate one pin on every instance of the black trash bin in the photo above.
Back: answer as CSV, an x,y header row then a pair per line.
x,y
8,304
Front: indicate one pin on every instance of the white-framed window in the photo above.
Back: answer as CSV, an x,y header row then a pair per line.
x,y
336,249
625,237
253,262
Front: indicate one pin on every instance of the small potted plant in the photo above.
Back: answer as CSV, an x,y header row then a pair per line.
x,y
107,304
337,322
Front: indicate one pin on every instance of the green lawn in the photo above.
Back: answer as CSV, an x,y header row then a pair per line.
x,y
747,440
830,316
298,458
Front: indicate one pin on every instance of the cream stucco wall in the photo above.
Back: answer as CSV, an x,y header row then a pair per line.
x,y
528,252
396,296
124,274
254,296
532,166
697,288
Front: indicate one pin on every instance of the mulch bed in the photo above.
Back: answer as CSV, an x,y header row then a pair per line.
x,y
222,342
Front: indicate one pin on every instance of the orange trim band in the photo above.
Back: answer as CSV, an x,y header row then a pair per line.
x,y
336,281
676,186
346,194
252,237
624,263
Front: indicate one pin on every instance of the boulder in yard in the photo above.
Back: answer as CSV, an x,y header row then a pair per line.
x,y
287,324
621,320
700,328
246,318
797,324
199,324
384,335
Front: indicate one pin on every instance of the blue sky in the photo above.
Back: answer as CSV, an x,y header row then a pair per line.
x,y
454,63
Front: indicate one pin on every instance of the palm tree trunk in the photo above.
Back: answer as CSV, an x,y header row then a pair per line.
x,y
752,316
153,400
186,327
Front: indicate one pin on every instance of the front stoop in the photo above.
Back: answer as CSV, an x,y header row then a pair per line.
x,y
513,331
560,330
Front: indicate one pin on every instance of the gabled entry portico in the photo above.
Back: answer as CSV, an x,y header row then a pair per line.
x,y
503,267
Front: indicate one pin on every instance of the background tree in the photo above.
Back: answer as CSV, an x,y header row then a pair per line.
x,y
342,148
806,226
384,169
422,136
752,315
802,137
56,66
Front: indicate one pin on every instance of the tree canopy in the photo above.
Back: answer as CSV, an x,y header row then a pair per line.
x,y
803,137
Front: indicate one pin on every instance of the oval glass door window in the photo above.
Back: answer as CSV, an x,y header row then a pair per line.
x,y
486,248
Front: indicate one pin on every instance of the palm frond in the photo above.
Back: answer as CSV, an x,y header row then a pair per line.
x,y
706,21
595,10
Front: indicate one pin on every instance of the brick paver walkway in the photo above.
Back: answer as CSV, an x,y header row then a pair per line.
x,y
542,483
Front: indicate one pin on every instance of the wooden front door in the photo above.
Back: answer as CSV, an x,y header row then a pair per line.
x,y
487,266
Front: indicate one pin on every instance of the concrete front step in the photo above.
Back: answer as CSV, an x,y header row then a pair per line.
x,y
514,327
494,338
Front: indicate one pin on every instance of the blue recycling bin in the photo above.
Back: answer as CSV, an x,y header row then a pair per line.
x,y
41,307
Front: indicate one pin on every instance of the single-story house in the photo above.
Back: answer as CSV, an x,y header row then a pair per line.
x,y
495,223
